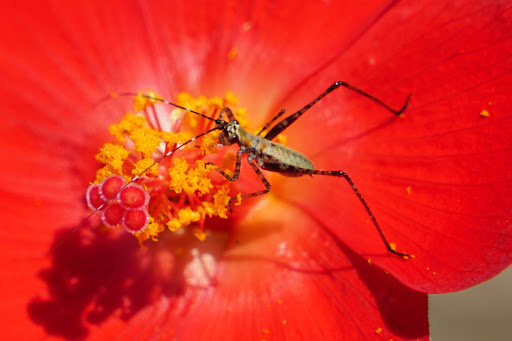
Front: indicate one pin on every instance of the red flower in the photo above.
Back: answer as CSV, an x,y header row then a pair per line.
x,y
293,264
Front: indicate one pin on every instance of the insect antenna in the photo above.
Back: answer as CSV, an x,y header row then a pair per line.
x,y
134,94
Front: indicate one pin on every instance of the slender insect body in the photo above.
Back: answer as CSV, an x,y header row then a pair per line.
x,y
268,155
263,153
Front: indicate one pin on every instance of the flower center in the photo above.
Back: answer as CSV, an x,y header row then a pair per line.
x,y
183,189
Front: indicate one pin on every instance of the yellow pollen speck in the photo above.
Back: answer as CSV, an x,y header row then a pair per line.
x,y
283,322
370,261
428,268
279,301
378,330
409,190
266,331
392,246
232,53
485,113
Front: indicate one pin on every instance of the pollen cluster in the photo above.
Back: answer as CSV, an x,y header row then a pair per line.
x,y
131,191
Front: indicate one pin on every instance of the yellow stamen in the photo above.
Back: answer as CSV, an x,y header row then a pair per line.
x,y
143,164
180,187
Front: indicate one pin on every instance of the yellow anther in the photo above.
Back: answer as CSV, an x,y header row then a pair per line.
x,y
113,156
151,231
143,164
230,99
129,123
186,216
190,180
241,117
175,138
216,102
200,234
174,225
209,144
146,140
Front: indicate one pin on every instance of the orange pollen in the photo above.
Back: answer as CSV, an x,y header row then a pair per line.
x,y
133,192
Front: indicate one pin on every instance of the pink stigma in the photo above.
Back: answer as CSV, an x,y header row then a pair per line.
x,y
111,186
136,220
134,196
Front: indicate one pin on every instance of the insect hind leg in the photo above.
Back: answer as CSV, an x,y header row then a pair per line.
x,y
342,174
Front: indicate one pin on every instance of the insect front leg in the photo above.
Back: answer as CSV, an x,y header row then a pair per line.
x,y
236,171
345,176
236,175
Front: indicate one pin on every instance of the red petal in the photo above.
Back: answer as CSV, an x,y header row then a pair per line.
x,y
456,219
308,284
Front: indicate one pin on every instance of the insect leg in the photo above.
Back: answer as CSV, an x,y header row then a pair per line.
x,y
269,123
344,175
236,174
229,114
267,184
236,171
292,118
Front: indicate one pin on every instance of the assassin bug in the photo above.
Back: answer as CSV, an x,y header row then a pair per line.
x,y
263,153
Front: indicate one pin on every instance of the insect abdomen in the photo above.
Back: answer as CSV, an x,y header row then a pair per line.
x,y
276,157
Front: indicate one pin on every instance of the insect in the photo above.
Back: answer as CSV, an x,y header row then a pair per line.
x,y
263,153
